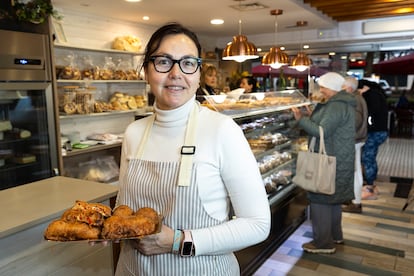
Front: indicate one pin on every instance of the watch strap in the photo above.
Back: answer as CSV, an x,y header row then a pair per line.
x,y
177,241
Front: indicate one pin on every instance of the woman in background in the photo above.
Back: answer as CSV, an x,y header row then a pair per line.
x,y
208,80
249,84
337,118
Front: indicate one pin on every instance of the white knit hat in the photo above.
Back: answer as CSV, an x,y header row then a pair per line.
x,y
332,80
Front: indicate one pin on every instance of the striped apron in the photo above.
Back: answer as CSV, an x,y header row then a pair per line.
x,y
154,184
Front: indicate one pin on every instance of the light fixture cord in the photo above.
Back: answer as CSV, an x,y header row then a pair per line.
x,y
275,29
240,21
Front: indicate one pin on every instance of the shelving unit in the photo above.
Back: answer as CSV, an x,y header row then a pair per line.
x,y
114,122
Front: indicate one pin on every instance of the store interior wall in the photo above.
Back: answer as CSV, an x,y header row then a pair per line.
x,y
98,33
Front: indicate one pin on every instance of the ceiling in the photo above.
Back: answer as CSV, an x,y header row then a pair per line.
x,y
349,10
254,14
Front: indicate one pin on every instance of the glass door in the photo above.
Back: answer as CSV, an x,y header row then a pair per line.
x,y
28,149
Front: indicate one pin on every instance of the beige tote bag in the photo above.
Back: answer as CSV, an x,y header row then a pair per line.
x,y
316,171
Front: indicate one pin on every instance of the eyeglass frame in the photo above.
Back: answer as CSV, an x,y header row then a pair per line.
x,y
174,61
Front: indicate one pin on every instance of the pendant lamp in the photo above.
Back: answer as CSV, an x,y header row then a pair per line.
x,y
276,58
240,49
301,62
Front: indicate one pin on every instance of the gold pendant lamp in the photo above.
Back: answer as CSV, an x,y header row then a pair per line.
x,y
276,58
301,62
240,49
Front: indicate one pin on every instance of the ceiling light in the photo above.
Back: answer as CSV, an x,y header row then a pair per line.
x,y
240,49
145,18
301,62
133,0
216,21
276,58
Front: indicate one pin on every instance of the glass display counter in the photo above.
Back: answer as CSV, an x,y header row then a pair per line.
x,y
268,124
241,105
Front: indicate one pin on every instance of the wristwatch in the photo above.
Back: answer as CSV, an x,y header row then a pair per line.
x,y
187,246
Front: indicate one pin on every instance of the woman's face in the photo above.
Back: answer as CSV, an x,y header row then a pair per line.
x,y
326,92
211,79
174,88
247,87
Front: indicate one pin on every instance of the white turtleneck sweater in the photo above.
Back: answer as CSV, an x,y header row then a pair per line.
x,y
226,169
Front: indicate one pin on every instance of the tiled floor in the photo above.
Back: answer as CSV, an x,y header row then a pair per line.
x,y
396,158
380,241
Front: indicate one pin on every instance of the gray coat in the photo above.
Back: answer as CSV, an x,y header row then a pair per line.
x,y
337,118
361,118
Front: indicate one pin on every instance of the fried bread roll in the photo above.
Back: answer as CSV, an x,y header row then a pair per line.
x,y
149,213
106,211
123,211
117,227
90,217
60,230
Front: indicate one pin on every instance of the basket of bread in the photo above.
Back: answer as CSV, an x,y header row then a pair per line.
x,y
98,222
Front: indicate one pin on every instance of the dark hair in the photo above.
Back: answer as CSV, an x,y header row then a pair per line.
x,y
251,81
373,86
168,29
370,84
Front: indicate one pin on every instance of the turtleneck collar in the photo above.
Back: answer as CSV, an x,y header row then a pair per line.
x,y
174,117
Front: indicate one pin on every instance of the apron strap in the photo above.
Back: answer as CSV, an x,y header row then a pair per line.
x,y
147,132
188,149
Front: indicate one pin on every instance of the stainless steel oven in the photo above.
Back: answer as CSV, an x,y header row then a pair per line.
x,y
28,147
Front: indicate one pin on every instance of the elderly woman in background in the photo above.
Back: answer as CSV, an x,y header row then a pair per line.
x,y
361,122
337,118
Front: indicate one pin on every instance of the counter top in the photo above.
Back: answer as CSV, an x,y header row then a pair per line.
x,y
31,204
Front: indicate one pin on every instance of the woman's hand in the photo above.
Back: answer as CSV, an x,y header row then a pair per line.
x,y
308,110
296,113
157,243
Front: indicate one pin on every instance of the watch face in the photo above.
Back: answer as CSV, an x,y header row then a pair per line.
x,y
187,248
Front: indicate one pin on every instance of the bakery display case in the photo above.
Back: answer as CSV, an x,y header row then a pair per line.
x,y
100,91
268,124
241,105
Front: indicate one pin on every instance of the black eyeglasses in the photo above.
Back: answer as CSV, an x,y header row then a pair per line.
x,y
164,64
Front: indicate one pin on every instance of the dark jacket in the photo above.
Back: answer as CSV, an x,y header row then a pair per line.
x,y
377,106
203,91
337,118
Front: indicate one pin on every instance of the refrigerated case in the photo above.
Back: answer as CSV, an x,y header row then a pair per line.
x,y
28,149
